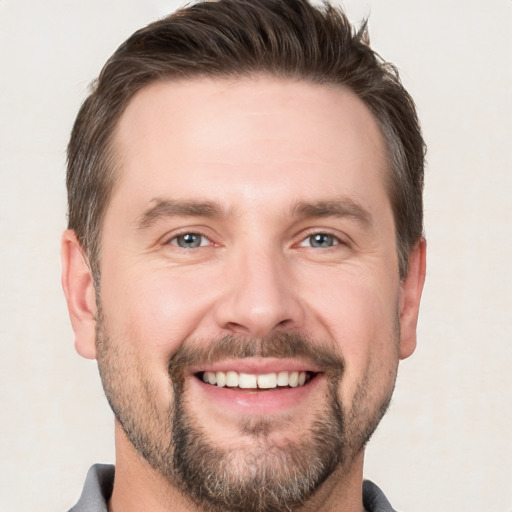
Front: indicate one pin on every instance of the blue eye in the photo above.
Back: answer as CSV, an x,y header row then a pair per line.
x,y
189,240
320,240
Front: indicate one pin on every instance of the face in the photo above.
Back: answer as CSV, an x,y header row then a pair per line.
x,y
250,306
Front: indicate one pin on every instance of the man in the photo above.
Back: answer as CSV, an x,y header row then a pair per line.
x,y
244,257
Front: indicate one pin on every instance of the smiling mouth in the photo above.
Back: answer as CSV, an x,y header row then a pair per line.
x,y
268,381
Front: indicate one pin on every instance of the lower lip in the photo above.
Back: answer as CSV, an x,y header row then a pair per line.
x,y
261,401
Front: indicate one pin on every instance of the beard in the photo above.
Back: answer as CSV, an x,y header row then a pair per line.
x,y
268,474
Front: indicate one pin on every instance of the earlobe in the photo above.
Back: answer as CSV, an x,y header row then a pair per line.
x,y
78,285
411,288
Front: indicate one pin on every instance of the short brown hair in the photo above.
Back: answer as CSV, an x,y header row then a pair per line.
x,y
231,38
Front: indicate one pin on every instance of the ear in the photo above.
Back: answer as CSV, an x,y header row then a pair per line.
x,y
411,288
78,284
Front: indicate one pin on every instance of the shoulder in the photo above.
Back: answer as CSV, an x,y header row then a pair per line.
x,y
374,499
97,489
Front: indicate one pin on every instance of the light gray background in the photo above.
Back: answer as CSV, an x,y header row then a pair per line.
x,y
445,444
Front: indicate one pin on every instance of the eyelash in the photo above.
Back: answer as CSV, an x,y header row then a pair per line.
x,y
175,238
336,240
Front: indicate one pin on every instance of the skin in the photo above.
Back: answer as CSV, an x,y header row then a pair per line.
x,y
256,148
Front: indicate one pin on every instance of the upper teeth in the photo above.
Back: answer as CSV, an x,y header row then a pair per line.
x,y
249,381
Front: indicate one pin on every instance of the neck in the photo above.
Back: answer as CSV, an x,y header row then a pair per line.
x,y
137,486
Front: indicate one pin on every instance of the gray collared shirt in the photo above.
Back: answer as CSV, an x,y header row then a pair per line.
x,y
100,482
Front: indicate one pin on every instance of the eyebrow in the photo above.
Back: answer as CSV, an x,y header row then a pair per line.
x,y
163,208
333,208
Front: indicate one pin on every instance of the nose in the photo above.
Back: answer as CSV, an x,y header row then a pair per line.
x,y
260,296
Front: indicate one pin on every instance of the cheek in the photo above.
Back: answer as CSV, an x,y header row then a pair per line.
x,y
147,316
153,308
352,305
360,316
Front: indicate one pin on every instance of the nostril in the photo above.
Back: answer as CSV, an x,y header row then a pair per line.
x,y
258,328
258,306
237,328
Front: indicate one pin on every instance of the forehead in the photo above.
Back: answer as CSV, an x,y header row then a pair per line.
x,y
250,133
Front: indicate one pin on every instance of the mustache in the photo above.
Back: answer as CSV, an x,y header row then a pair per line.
x,y
278,345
